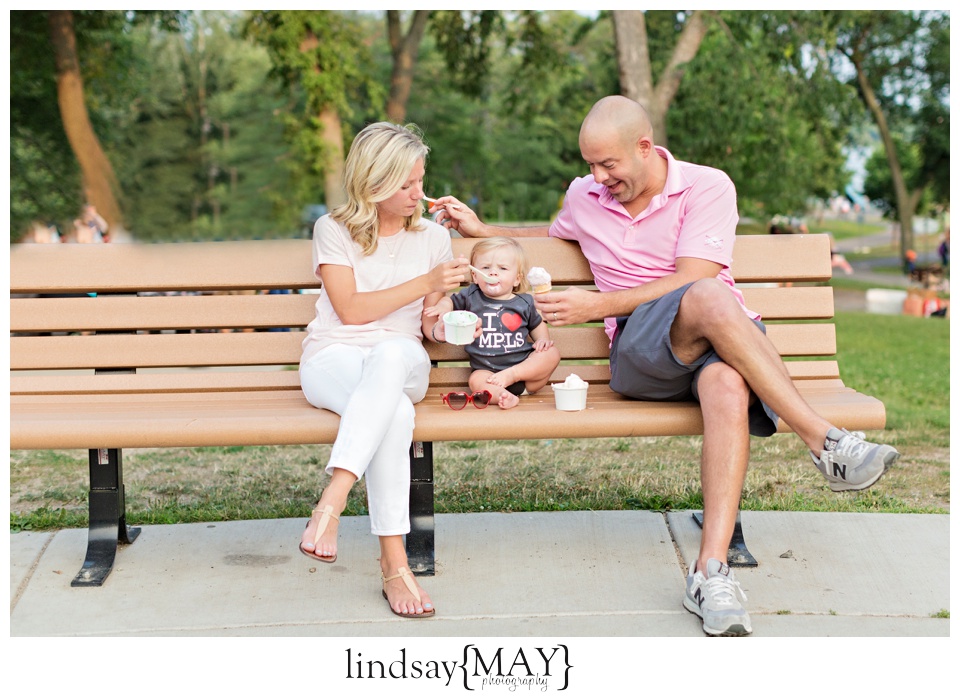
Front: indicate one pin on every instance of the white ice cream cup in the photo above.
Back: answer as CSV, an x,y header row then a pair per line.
x,y
570,397
458,327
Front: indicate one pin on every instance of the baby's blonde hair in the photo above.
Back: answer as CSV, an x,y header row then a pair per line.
x,y
378,164
489,244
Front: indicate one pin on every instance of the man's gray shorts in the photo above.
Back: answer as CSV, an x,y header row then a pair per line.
x,y
643,365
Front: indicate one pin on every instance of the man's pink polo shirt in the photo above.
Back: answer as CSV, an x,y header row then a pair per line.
x,y
694,216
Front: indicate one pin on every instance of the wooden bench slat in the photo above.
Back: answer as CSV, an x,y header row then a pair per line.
x,y
284,417
273,264
445,377
285,264
115,313
793,303
765,258
155,382
160,312
284,348
160,350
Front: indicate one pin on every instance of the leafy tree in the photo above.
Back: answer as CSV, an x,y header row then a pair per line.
x,y
636,68
753,105
404,48
323,53
900,68
203,152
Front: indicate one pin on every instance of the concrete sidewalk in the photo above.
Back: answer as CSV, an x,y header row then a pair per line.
x,y
571,574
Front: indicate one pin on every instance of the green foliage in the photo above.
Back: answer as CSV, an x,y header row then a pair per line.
x,y
752,107
900,67
210,118
464,39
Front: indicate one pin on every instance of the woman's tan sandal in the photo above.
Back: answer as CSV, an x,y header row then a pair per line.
x,y
326,516
407,577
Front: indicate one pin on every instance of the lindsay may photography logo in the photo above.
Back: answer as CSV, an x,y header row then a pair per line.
x,y
540,668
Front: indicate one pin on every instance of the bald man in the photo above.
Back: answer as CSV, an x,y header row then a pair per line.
x,y
658,234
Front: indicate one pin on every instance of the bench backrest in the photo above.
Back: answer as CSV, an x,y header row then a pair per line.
x,y
161,307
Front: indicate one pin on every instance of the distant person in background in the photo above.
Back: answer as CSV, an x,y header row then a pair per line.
x,y
85,233
41,233
838,259
910,263
95,223
944,249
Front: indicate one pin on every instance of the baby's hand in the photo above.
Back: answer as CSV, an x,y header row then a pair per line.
x,y
542,344
432,311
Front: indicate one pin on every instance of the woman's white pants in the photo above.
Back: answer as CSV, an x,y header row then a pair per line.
x,y
373,389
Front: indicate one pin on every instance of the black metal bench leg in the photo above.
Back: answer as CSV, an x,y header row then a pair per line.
x,y
420,543
108,518
737,555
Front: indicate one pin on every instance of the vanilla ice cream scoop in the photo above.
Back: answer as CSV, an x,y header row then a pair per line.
x,y
573,381
539,279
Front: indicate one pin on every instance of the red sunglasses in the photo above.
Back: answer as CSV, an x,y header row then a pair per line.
x,y
458,399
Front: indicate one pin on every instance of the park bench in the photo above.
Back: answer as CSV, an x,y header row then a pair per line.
x,y
104,358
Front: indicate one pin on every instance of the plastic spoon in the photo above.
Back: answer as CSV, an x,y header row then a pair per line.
x,y
483,275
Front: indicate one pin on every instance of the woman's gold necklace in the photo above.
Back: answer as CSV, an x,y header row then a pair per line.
x,y
392,243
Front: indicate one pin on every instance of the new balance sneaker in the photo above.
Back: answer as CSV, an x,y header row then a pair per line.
x,y
716,598
850,463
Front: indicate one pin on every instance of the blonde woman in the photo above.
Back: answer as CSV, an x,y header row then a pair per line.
x,y
363,358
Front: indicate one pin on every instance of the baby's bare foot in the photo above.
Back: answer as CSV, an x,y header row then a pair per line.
x,y
507,400
503,378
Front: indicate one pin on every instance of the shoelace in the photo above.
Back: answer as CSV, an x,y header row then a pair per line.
x,y
723,590
851,444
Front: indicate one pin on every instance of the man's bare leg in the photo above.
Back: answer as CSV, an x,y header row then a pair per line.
x,y
724,401
710,315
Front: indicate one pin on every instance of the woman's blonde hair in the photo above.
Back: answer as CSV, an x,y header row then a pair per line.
x,y
486,245
378,164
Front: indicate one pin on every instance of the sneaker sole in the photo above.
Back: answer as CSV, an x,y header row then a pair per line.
x,y
841,487
732,630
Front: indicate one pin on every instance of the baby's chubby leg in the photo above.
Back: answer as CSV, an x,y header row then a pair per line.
x,y
480,381
534,371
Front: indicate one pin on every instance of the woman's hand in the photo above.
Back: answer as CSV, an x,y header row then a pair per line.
x,y
448,275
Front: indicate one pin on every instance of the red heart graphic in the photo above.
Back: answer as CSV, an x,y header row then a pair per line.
x,y
511,320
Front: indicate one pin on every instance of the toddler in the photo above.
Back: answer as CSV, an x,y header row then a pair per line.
x,y
514,351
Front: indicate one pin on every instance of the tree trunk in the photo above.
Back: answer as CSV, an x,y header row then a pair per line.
x,y
633,60
906,203
100,186
404,50
331,138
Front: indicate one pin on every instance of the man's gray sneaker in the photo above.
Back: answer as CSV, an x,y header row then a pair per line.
x,y
716,598
850,463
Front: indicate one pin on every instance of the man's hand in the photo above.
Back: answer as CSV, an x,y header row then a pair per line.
x,y
457,216
569,307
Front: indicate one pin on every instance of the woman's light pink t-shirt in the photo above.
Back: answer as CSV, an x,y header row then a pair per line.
x,y
415,253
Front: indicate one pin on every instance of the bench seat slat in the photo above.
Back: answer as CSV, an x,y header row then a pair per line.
x,y
284,417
